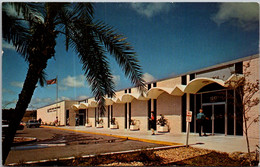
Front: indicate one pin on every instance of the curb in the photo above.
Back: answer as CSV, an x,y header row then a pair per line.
x,y
93,155
122,137
33,139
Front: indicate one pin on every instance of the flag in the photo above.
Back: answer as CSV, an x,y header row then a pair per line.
x,y
52,81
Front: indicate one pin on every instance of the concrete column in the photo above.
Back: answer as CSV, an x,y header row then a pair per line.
x,y
152,105
188,95
72,116
187,102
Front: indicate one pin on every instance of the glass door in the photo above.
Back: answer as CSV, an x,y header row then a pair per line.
x,y
208,111
215,114
219,118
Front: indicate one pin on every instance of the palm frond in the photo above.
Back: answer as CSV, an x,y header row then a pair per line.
x,y
65,18
42,78
121,50
15,33
28,11
83,11
95,64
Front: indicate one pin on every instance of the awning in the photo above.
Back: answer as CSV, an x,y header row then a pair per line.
x,y
83,105
195,85
92,104
126,98
155,92
178,90
117,100
75,106
109,101
139,96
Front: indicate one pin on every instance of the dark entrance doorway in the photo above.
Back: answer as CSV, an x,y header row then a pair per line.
x,y
150,111
207,110
219,118
215,112
82,117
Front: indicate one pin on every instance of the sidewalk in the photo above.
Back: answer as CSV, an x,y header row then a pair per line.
x,y
217,142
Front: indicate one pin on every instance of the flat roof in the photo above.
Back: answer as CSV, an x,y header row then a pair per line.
x,y
57,102
210,68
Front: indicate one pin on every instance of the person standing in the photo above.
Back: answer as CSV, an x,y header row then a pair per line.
x,y
152,123
56,121
201,121
40,120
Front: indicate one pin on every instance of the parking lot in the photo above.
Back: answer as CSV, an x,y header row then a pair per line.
x,y
55,143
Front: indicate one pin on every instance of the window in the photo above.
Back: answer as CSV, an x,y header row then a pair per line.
x,y
183,80
239,68
149,86
192,76
154,84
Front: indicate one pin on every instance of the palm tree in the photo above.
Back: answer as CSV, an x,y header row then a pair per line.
x,y
33,30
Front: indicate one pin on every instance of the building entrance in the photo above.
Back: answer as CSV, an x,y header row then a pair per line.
x,y
82,117
216,114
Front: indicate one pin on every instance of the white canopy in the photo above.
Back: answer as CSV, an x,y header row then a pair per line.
x,y
75,106
92,104
139,96
109,101
195,85
155,92
83,105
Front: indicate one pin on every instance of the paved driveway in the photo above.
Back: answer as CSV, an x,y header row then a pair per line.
x,y
56,143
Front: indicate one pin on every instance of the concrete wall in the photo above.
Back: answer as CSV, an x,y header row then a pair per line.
x,y
253,131
48,113
139,112
170,106
119,114
169,83
72,116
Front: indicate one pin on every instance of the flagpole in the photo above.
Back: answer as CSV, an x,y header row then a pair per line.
x,y
57,88
57,95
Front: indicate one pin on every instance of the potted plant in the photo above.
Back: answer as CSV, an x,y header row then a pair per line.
x,y
113,124
133,125
99,123
163,124
88,124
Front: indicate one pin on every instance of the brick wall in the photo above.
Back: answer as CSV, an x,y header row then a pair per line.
x,y
254,112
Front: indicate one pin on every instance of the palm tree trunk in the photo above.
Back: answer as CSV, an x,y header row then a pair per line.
x,y
21,106
41,50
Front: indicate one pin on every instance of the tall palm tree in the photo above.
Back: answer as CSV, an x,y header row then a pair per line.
x,y
33,29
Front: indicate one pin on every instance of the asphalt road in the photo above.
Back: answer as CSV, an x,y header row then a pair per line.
x,y
54,143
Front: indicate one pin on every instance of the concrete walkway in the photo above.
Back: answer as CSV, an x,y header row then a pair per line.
x,y
217,142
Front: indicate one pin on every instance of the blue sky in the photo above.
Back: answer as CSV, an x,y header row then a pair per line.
x,y
169,38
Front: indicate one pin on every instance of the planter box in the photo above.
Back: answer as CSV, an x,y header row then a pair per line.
x,y
163,129
113,127
99,126
134,127
88,125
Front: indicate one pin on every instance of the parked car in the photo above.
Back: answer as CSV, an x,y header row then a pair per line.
x,y
21,126
5,125
33,123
